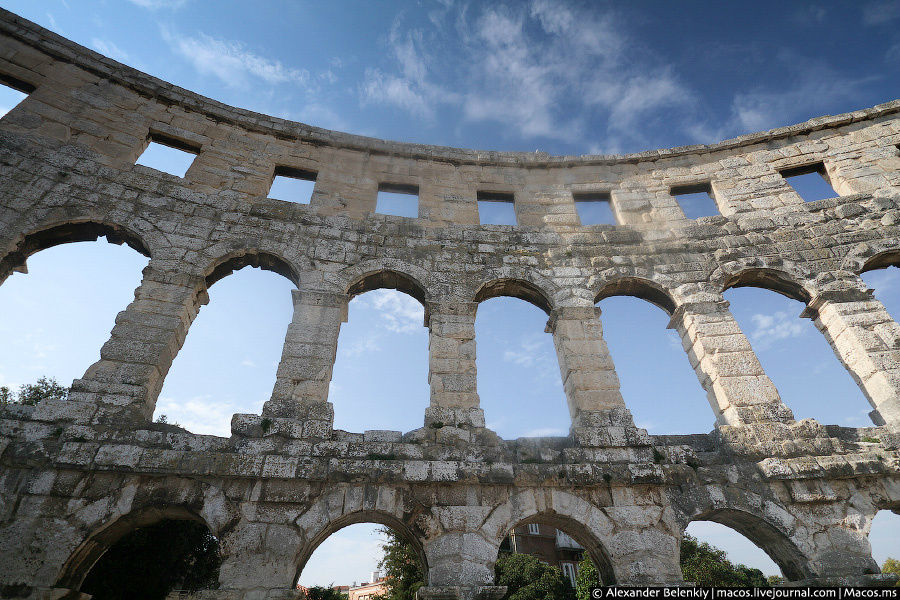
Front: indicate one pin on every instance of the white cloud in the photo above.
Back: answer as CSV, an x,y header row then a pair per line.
x,y
107,48
159,4
200,414
769,329
365,345
543,68
248,363
878,13
526,354
397,312
230,61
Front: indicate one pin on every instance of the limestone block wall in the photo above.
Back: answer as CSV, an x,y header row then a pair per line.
x,y
77,475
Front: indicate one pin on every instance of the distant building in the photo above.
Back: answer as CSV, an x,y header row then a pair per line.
x,y
367,591
548,544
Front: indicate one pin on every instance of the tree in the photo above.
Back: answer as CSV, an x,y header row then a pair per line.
x,y
527,578
892,567
32,393
318,592
588,577
401,567
707,565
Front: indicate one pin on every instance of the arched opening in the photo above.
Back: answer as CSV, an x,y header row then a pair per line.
x,y
555,549
145,555
364,554
757,552
657,382
380,377
55,318
882,275
883,536
518,378
232,350
795,355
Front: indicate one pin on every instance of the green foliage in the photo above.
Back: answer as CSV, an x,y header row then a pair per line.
x,y
707,565
150,562
870,440
32,393
319,592
892,566
527,578
588,576
401,567
775,580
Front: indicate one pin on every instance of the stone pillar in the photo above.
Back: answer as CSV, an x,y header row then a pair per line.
x,y
451,364
127,379
585,365
307,360
736,386
867,340
460,567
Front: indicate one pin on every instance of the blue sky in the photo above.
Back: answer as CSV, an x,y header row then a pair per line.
x,y
560,77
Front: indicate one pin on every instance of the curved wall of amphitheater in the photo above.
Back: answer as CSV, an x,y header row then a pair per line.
x,y
77,475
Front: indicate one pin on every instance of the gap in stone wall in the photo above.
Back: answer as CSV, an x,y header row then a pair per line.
x,y
519,382
380,377
649,357
810,379
62,311
738,549
231,353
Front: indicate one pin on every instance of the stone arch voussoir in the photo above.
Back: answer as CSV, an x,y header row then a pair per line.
x,y
226,259
137,506
763,521
349,505
637,282
385,273
772,273
525,284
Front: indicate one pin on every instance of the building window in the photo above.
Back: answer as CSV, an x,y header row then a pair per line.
x,y
594,208
696,199
534,529
292,185
570,572
811,182
496,208
398,199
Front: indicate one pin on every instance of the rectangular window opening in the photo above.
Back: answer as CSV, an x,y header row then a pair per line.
x,y
594,208
496,208
811,182
293,185
534,529
398,199
695,199
12,92
168,155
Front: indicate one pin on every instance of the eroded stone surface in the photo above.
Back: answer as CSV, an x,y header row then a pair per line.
x,y
77,475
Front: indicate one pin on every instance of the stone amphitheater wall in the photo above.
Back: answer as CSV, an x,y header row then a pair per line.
x,y
78,474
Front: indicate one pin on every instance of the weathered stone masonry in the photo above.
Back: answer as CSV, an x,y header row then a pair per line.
x,y
78,475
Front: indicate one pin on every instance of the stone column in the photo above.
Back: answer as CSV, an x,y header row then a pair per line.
x,y
460,567
867,340
307,360
736,386
451,364
585,365
127,379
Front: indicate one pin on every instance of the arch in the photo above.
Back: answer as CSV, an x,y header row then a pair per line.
x,y
638,287
68,232
882,260
354,518
334,510
367,276
515,288
577,531
770,279
769,538
80,562
585,523
387,279
235,261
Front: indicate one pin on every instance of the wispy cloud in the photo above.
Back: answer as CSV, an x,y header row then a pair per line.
x,y
544,68
199,414
231,61
159,4
397,312
878,13
107,48
775,327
